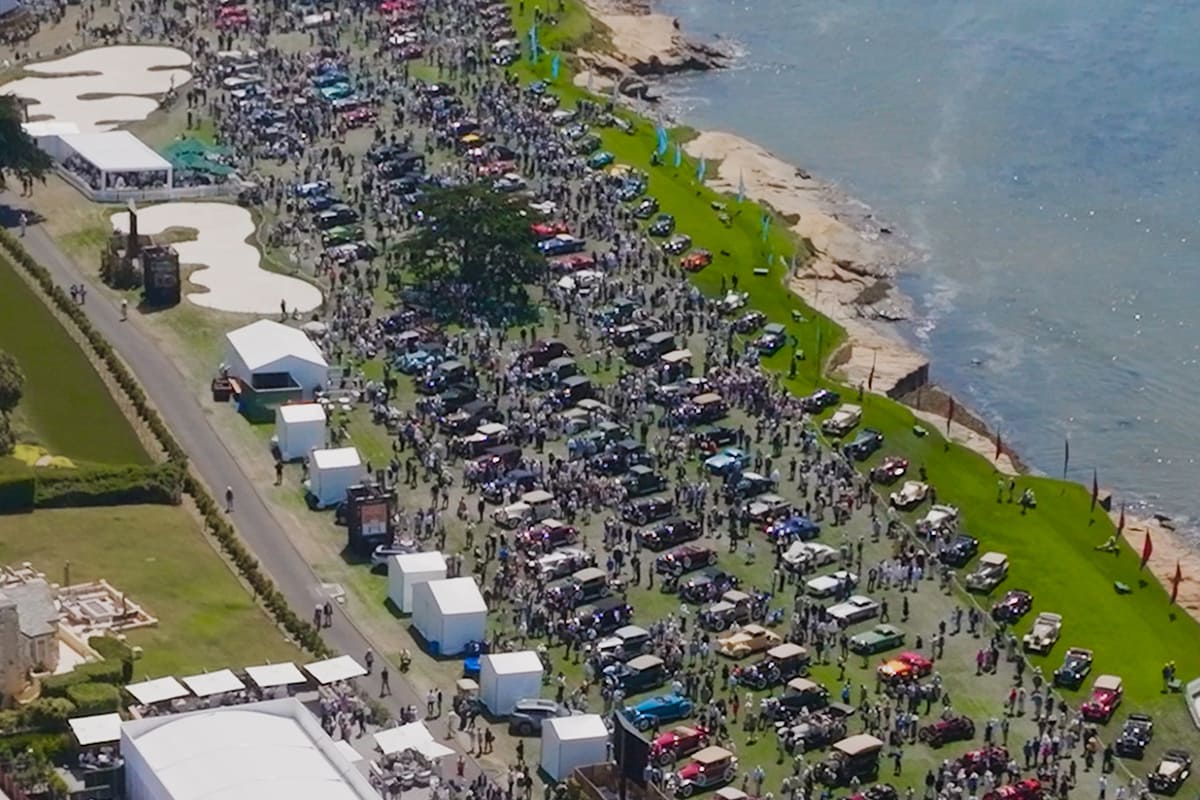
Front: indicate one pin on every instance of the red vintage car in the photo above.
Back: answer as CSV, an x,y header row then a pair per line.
x,y
984,759
359,117
890,470
571,263
944,731
696,260
905,666
393,6
1028,789
232,17
495,169
1107,693
682,740
546,230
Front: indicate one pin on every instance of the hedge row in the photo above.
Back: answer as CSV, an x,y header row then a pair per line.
x,y
126,485
110,672
300,629
18,489
94,698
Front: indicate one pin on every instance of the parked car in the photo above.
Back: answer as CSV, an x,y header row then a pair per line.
x,y
639,674
985,759
796,527
1172,770
772,339
1027,789
677,244
641,480
603,616
1107,693
947,730
910,495
663,225
1047,627
1015,604
647,208
564,561
958,550
696,260
669,533
890,470
528,715
684,558
656,710
730,460
830,585
780,664
1136,734
806,555
749,640
626,642
844,420
645,510
1076,666
707,585
855,757
857,609
561,244
864,444
820,400
709,767
904,667
800,694
818,729
680,741
765,509
991,570
877,640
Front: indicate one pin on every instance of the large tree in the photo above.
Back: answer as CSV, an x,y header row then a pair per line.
x,y
12,383
19,154
476,243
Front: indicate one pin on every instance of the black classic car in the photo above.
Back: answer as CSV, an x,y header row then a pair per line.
x,y
1135,734
1076,666
958,551
1014,605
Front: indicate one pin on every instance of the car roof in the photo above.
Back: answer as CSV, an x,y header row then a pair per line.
x,y
644,662
859,743
711,755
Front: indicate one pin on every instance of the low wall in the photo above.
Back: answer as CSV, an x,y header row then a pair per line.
x,y
227,189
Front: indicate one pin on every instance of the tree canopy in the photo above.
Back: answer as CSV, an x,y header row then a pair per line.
x,y
19,155
477,244
12,383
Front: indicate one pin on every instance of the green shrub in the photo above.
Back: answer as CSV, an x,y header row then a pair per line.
x,y
94,698
57,685
56,747
156,484
102,672
17,487
48,713
114,651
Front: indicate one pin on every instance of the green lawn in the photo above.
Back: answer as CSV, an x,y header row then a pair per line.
x,y
156,554
1051,548
66,404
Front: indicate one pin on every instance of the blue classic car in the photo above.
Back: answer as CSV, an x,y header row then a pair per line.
x,y
663,708
562,244
792,528
728,460
418,361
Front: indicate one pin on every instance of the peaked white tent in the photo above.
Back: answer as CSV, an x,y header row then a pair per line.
x,y
406,571
505,678
449,613
261,353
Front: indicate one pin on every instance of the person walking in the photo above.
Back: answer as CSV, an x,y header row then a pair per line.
x,y
24,221
228,499
369,660
385,688
124,309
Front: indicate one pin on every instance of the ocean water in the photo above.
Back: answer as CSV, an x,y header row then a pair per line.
x,y
1045,159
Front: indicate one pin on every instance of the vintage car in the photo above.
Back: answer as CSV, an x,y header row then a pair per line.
x,y
529,714
800,694
1136,734
680,741
844,420
663,225
830,585
749,485
765,509
729,460
909,496
696,260
1107,693
644,510
684,558
1014,605
620,457
780,664
820,400
877,791
550,228
856,609
709,767
1076,666
864,444
903,667
418,361
749,640
772,339
957,550
707,585
626,642
646,208
939,518
946,730
989,572
855,757
750,321
564,561
520,480
546,535
796,527
677,244
1172,770
600,160
641,480
890,470
640,674
655,710
583,586
561,244
985,759
669,533
1027,789
711,437
877,640
603,616
1047,627
732,607
806,555
815,730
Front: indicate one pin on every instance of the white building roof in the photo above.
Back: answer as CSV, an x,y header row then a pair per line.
x,y
336,458
584,726
419,562
47,127
265,342
269,675
272,749
332,670
209,683
293,413
96,729
157,691
457,596
115,151
521,663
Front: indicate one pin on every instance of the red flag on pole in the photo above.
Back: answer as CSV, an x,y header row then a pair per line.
x,y
1147,549
999,446
871,374
1175,581
1095,489
949,415
1121,521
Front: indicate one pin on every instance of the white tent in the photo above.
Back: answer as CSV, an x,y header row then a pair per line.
x,y
299,428
269,675
570,742
117,156
449,613
332,670
332,472
158,690
96,729
402,737
207,684
505,678
260,353
406,571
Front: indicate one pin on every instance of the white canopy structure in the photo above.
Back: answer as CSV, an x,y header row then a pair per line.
x,y
332,472
158,690
402,737
570,742
96,729
332,670
406,571
299,429
505,678
263,354
449,613
113,160
207,684
269,675
271,749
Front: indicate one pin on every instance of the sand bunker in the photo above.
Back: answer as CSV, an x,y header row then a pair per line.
x,y
232,274
121,84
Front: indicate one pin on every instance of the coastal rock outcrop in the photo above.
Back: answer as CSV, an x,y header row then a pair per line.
x,y
648,44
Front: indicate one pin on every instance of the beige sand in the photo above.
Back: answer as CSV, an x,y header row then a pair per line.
x,y
647,43
1168,549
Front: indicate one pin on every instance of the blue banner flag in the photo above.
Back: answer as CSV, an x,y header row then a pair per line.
x,y
554,68
770,259
766,225
701,168
678,156
741,188
663,141
533,43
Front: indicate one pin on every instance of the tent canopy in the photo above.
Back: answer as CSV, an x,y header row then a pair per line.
x,y
269,675
332,670
210,683
97,729
403,737
116,151
457,596
266,342
158,690
337,458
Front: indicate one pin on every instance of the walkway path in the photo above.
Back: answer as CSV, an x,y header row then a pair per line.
x,y
216,466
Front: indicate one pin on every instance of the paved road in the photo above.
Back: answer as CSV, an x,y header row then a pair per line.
x,y
179,407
